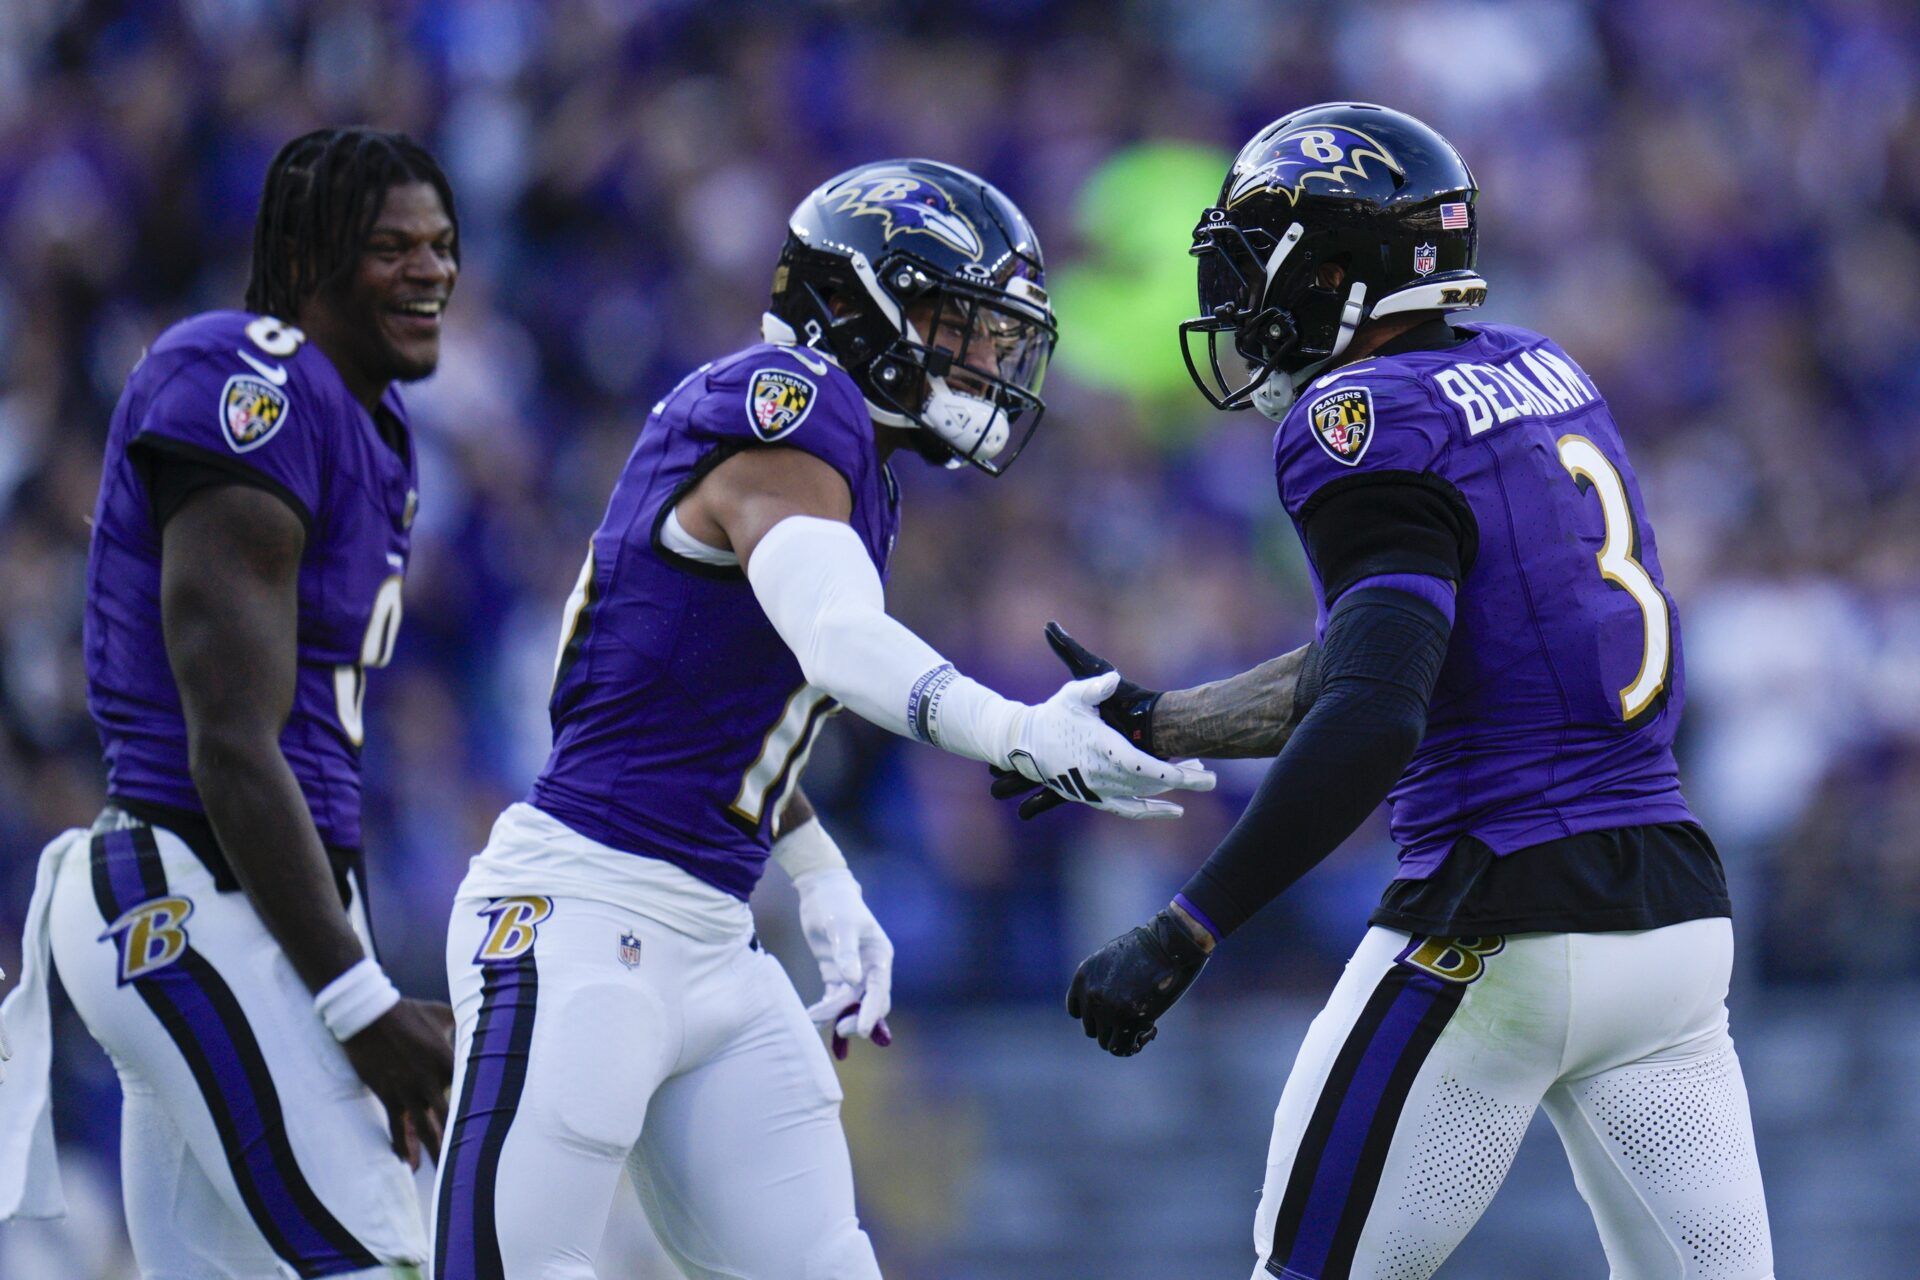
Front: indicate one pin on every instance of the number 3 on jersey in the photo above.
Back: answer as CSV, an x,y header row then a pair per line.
x,y
1590,468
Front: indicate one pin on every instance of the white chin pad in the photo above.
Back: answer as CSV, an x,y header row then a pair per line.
x,y
1276,395
970,426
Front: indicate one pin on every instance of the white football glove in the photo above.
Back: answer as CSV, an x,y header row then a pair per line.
x,y
1065,746
854,954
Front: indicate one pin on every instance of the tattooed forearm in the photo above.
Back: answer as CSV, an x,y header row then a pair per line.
x,y
1245,716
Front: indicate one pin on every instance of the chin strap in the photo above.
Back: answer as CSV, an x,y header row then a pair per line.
x,y
970,426
1274,397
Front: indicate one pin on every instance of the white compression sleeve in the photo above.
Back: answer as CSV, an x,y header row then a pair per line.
x,y
820,590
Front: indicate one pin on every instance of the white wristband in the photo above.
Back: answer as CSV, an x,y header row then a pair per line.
x,y
807,848
357,998
963,716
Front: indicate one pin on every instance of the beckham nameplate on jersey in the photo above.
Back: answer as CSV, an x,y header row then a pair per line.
x,y
1534,383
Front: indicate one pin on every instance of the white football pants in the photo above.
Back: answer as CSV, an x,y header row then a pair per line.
x,y
1415,1084
249,1149
592,1038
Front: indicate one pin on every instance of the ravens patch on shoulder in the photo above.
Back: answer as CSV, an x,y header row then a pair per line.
x,y
251,410
778,401
1342,422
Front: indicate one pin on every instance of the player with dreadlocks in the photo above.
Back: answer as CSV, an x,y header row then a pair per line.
x,y
249,544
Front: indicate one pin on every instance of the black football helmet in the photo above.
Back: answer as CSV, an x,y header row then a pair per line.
x,y
927,286
1373,190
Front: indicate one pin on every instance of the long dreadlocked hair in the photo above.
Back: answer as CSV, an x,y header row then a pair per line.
x,y
322,195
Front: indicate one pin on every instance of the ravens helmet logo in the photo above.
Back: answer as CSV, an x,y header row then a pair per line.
x,y
1287,163
912,206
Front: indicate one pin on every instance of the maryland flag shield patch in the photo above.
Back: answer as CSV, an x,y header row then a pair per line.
x,y
778,401
1343,423
251,410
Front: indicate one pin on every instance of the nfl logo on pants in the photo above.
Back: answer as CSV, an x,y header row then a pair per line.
x,y
630,950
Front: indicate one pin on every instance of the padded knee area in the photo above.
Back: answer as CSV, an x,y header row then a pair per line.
x,y
601,1046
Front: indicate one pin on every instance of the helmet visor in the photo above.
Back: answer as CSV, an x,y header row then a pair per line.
x,y
992,346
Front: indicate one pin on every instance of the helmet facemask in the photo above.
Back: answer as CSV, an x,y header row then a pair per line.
x,y
967,364
1262,314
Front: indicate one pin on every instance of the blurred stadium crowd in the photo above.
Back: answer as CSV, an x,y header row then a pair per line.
x,y
1714,207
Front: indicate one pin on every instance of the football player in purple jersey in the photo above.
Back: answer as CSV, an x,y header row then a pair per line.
x,y
1497,656
249,545
614,1008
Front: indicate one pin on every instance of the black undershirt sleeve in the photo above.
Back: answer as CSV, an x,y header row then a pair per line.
x,y
173,474
1381,656
1388,522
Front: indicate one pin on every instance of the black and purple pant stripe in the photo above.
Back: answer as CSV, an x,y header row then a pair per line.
x,y
205,1022
1336,1171
467,1243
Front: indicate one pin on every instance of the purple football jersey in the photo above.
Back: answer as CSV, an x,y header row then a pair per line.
x,y
235,391
1556,708
681,720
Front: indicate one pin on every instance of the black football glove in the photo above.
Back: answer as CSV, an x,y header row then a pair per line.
x,y
1128,712
1122,989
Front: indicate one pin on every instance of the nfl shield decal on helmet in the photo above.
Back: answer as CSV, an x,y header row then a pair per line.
x,y
630,950
1423,255
251,410
1343,423
778,401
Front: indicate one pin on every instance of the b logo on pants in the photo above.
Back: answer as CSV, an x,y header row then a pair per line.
x,y
1460,960
151,936
515,921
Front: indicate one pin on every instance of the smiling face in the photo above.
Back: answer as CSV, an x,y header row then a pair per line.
x,y
380,322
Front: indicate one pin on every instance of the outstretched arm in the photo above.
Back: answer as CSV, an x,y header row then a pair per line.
x,y
783,512
1248,716
1383,652
1384,649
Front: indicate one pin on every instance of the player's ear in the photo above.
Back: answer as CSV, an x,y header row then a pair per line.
x,y
1331,275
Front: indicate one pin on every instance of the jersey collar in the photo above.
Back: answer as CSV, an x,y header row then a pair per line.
x,y
1431,334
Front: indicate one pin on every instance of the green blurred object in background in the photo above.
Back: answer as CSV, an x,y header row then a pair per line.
x,y
1120,309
